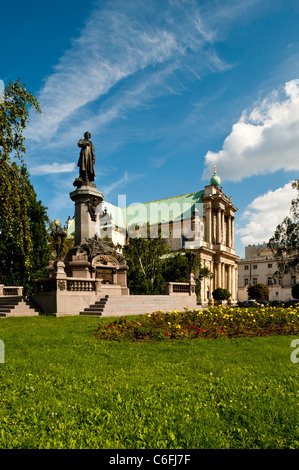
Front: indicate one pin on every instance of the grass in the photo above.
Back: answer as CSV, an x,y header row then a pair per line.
x,y
62,388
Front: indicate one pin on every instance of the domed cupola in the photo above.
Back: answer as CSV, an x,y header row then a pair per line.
x,y
215,180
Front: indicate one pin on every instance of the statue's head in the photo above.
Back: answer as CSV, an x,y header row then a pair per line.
x,y
87,135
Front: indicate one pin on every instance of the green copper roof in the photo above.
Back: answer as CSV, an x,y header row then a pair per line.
x,y
163,210
71,228
154,212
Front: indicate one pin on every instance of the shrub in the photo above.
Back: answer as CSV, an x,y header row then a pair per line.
x,y
258,292
221,294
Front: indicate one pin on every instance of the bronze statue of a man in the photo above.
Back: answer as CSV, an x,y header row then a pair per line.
x,y
87,159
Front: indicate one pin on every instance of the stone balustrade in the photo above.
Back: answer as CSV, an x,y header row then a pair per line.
x,y
171,288
10,290
68,284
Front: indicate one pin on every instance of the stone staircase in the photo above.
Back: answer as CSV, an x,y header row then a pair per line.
x,y
119,305
97,308
17,306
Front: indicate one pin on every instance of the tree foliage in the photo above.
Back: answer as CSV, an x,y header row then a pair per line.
x,y
221,294
145,265
67,244
258,291
24,248
149,268
176,268
285,241
14,114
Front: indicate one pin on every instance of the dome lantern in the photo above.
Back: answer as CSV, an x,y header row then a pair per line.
x,y
215,180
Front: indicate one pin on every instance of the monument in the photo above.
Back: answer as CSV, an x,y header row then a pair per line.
x,y
93,270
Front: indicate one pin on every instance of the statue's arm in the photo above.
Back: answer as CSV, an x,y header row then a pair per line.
x,y
83,143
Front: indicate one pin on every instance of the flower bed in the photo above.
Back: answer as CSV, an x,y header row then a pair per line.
x,y
217,322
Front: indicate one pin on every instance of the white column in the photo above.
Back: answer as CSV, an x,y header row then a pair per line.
x,y
218,225
222,227
208,224
229,232
219,275
232,233
230,280
223,281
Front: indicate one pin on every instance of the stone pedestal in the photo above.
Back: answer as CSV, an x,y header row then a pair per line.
x,y
86,199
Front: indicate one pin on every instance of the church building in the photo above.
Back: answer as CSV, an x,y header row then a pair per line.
x,y
201,221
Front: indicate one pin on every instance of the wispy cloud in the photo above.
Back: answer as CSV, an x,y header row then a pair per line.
x,y
110,48
116,46
263,141
121,182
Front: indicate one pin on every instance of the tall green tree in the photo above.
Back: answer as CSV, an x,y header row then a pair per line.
x,y
285,241
176,268
24,250
149,268
144,256
14,115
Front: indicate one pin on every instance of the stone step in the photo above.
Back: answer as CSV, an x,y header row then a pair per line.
x,y
9,302
17,306
93,309
93,313
96,309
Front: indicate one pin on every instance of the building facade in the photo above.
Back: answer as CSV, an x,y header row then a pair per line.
x,y
201,221
260,267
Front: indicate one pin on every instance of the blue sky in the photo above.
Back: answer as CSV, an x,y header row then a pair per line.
x,y
168,89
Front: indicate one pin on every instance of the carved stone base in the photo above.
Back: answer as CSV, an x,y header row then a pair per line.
x,y
86,199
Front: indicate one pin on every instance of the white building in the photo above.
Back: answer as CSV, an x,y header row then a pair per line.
x,y
260,267
202,221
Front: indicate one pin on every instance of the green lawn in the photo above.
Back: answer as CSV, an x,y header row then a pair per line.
x,y
63,388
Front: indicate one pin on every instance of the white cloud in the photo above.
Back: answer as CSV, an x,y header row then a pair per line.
x,y
264,214
265,141
50,168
